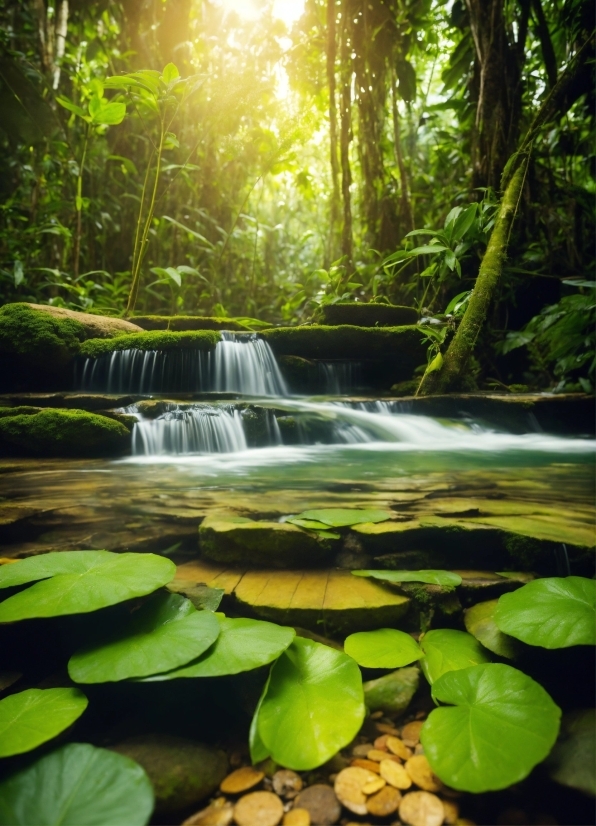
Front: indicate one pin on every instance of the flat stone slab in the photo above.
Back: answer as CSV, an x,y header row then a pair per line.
x,y
327,601
402,344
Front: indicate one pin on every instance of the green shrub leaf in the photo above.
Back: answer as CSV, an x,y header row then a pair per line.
x,y
343,517
313,707
447,578
165,633
77,784
242,644
447,650
500,724
33,717
480,622
106,579
384,648
552,613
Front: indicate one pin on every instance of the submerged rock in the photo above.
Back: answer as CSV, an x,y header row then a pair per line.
x,y
241,541
182,772
393,692
366,315
50,432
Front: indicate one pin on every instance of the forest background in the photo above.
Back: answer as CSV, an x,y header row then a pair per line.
x,y
297,153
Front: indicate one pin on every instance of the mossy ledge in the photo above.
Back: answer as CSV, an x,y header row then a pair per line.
x,y
186,323
346,341
364,314
62,433
153,340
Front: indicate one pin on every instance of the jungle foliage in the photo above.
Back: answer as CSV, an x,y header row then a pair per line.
x,y
175,156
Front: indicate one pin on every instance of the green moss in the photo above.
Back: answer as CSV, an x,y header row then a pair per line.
x,y
38,338
185,323
366,315
52,432
22,410
155,340
349,342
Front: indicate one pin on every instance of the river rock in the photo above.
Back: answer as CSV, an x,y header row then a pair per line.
x,y
278,544
366,314
50,432
393,692
182,772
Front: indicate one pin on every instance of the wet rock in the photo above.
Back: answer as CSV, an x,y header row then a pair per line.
x,y
182,772
321,803
573,759
393,692
363,314
183,323
278,544
52,432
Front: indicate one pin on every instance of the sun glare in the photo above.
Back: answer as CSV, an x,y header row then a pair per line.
x,y
287,10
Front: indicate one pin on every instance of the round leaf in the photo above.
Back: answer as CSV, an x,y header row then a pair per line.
x,y
242,644
35,716
501,724
480,622
430,577
309,524
165,633
552,613
45,566
75,785
384,648
342,517
314,705
447,650
106,581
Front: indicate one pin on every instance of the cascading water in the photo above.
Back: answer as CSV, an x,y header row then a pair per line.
x,y
240,363
337,377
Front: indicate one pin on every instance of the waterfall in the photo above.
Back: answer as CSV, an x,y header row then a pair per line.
x,y
337,377
240,363
192,430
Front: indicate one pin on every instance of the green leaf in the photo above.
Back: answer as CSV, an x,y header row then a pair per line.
x,y
165,633
242,645
384,648
35,716
500,725
170,73
309,524
447,650
447,578
105,579
109,114
72,107
77,784
480,622
314,705
429,249
343,517
452,217
258,750
572,762
406,75
553,613
435,364
463,222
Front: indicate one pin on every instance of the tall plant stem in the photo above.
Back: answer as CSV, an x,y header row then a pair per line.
x,y
79,208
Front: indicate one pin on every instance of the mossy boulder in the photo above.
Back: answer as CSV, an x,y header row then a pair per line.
x,y
241,541
185,323
366,314
182,772
393,692
155,340
52,432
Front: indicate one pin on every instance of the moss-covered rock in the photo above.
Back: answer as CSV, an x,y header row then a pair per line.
x,y
301,374
182,772
393,692
62,433
401,344
366,315
156,340
20,410
185,323
95,324
240,541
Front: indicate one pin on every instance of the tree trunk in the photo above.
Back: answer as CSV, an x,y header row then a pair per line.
x,y
346,137
331,58
405,205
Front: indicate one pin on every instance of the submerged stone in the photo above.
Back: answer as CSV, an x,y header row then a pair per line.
x,y
393,692
242,541
184,323
182,772
324,601
363,314
72,433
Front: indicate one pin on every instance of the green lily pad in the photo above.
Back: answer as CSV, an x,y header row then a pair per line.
x,y
74,785
447,650
106,579
499,725
309,524
572,762
33,717
343,517
242,644
313,705
553,613
51,564
165,633
480,622
384,648
430,577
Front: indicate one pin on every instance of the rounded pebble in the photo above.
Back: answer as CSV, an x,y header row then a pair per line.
x,y
258,809
421,809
